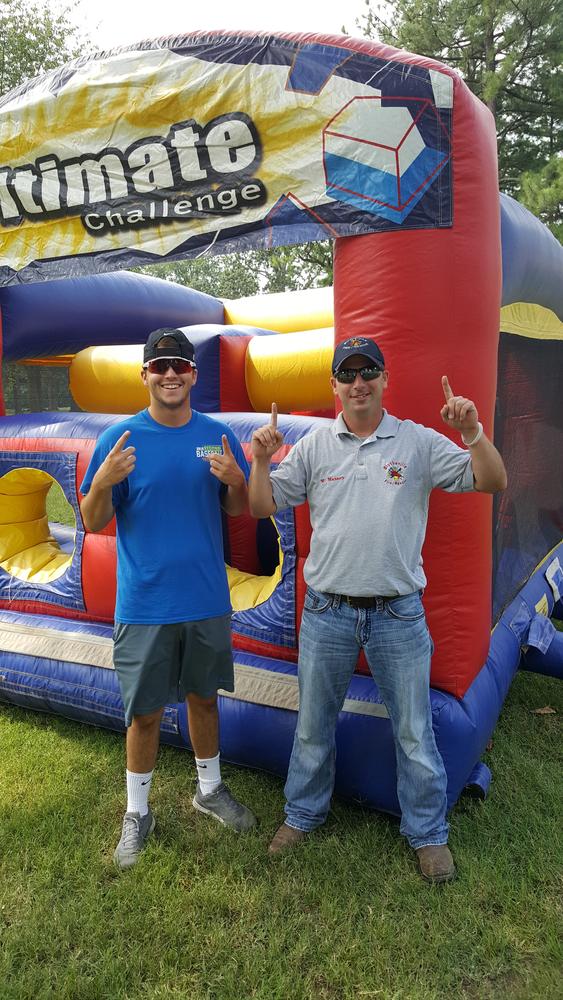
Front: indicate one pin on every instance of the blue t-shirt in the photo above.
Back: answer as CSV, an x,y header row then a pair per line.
x,y
170,564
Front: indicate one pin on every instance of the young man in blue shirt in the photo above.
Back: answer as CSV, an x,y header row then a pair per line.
x,y
166,473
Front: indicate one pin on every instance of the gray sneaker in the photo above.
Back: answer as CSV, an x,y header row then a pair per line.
x,y
224,808
135,831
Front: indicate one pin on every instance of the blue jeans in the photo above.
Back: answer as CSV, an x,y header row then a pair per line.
x,y
398,648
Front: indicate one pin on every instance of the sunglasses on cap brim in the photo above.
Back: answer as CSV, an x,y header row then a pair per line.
x,y
159,366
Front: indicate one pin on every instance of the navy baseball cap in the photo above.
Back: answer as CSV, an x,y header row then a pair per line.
x,y
183,349
357,345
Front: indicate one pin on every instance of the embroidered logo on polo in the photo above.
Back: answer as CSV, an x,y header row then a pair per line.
x,y
395,473
332,479
208,449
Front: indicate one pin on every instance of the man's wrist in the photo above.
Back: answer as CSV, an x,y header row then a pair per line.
x,y
476,437
239,483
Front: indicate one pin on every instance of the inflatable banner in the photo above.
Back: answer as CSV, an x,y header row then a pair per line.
x,y
205,143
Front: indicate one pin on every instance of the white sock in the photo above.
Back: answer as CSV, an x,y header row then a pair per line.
x,y
208,774
138,788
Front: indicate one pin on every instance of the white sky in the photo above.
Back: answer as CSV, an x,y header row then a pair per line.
x,y
111,23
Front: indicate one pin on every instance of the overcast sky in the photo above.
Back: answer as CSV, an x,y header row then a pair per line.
x,y
110,23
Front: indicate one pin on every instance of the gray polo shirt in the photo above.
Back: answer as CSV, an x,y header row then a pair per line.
x,y
368,499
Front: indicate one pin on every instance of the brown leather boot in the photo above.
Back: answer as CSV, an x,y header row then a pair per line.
x,y
284,838
436,863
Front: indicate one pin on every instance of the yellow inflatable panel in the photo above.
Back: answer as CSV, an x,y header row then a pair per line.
x,y
108,379
528,320
20,482
14,538
27,549
40,563
27,508
292,371
247,590
283,312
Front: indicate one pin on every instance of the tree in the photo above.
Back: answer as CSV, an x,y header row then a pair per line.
x,y
509,54
542,193
238,274
226,277
34,38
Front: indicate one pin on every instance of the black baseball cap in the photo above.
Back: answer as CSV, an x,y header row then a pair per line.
x,y
183,349
357,345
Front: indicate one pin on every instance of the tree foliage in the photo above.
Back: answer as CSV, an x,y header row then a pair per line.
x,y
34,37
257,271
542,193
508,52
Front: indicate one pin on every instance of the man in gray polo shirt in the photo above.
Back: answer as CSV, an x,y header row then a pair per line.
x,y
368,479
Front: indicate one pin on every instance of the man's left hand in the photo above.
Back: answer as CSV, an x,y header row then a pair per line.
x,y
225,467
459,412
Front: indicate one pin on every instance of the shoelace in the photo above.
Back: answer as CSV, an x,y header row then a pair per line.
x,y
131,831
224,797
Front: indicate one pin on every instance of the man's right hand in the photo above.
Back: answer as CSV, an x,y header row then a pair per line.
x,y
117,465
266,440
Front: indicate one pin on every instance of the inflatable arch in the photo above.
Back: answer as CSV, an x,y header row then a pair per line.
x,y
396,159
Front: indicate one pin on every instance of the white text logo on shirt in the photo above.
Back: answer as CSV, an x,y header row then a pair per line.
x,y
208,449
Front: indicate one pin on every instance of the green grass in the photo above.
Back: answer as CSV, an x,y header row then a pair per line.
x,y
206,915
58,507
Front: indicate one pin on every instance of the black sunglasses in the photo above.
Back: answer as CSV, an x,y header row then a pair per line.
x,y
161,365
348,375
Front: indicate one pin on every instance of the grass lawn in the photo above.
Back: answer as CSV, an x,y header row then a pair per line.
x,y
58,507
206,915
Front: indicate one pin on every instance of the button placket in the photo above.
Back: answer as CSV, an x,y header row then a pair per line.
x,y
360,471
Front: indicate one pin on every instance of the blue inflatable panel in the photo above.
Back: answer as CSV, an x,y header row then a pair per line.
x,y
261,735
532,259
91,425
206,338
550,662
61,317
258,721
479,781
63,535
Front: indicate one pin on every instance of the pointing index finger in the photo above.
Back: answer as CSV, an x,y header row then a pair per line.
x,y
274,417
226,445
447,388
118,446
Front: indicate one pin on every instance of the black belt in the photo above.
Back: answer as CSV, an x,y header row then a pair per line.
x,y
362,602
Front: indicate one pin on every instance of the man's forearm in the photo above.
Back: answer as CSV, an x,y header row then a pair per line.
x,y
260,489
489,473
97,507
235,501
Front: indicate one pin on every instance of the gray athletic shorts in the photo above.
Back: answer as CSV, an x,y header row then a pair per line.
x,y
160,664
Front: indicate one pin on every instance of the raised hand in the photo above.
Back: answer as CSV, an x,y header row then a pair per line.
x,y
118,463
458,412
267,439
225,467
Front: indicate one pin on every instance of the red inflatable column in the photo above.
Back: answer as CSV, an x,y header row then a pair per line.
x,y
431,299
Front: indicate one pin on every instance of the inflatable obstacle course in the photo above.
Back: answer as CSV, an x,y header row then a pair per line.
x,y
394,158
